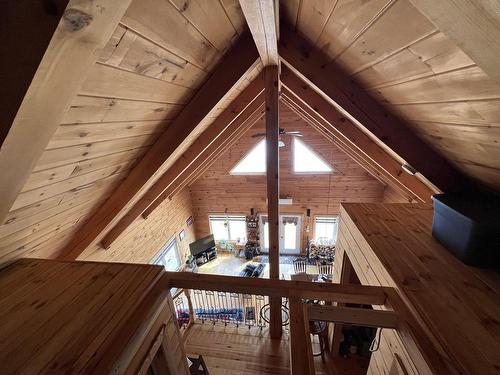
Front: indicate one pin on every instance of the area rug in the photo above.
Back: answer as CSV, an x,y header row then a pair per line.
x,y
284,259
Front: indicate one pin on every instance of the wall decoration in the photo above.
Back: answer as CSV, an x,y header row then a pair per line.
x,y
189,221
182,234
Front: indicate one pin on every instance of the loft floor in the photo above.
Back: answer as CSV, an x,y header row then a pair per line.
x,y
228,350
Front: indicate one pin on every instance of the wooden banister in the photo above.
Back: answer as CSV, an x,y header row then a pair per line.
x,y
353,315
394,313
347,293
301,356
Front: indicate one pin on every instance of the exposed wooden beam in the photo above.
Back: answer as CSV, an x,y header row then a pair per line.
x,y
211,154
262,18
353,315
223,127
347,293
473,25
316,123
273,188
228,74
83,29
355,104
343,128
301,356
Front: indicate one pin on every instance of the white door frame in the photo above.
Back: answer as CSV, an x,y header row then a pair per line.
x,y
295,251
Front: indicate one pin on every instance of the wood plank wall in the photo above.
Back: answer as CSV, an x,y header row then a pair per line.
x,y
216,190
142,240
158,57
391,195
415,70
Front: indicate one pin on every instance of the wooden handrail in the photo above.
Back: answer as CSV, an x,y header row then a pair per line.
x,y
353,315
395,314
347,293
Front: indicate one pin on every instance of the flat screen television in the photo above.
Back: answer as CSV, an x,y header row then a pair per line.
x,y
202,245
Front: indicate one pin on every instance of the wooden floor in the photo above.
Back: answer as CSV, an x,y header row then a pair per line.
x,y
228,264
227,351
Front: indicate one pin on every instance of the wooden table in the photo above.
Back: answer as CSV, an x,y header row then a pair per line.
x,y
458,306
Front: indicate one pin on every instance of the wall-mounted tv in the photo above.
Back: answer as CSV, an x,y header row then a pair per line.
x,y
202,245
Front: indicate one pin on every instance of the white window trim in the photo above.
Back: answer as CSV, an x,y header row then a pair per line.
x,y
165,247
316,154
228,217
337,222
232,173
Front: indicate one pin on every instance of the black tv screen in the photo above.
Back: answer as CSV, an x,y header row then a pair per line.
x,y
201,245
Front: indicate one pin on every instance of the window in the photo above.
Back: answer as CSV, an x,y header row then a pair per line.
x,y
307,161
169,256
229,228
254,162
325,230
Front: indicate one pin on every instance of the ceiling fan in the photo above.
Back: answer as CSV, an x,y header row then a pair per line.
x,y
281,132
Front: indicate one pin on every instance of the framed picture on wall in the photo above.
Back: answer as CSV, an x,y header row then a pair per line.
x,y
189,221
182,234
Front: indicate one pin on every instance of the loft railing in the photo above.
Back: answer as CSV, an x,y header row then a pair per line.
x,y
225,300
239,310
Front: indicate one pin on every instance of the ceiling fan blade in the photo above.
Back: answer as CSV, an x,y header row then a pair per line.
x,y
294,132
298,135
258,135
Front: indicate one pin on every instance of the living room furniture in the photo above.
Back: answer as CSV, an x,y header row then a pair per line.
x,y
325,267
300,265
206,256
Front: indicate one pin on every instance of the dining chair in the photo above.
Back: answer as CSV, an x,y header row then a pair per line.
x,y
325,268
300,265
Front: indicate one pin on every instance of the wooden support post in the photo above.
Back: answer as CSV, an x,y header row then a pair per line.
x,y
335,332
187,292
272,135
262,18
301,357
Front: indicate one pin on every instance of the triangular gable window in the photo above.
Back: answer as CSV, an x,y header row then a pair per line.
x,y
254,162
307,161
304,160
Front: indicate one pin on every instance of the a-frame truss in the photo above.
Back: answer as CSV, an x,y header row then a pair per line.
x,y
320,93
305,98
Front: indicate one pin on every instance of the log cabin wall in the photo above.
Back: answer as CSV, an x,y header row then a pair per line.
x,y
217,190
418,73
391,195
158,57
142,240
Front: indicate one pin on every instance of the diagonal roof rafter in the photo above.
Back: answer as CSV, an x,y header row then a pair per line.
x,y
221,130
337,109
228,75
331,82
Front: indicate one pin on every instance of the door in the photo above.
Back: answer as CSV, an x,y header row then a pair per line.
x,y
289,231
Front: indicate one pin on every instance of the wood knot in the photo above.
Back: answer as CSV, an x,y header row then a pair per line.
x,y
75,20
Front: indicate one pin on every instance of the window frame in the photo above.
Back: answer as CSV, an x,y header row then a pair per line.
x,y
164,250
294,153
231,171
336,228
242,218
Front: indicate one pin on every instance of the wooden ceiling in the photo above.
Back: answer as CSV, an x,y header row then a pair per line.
x,y
158,57
151,78
415,70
